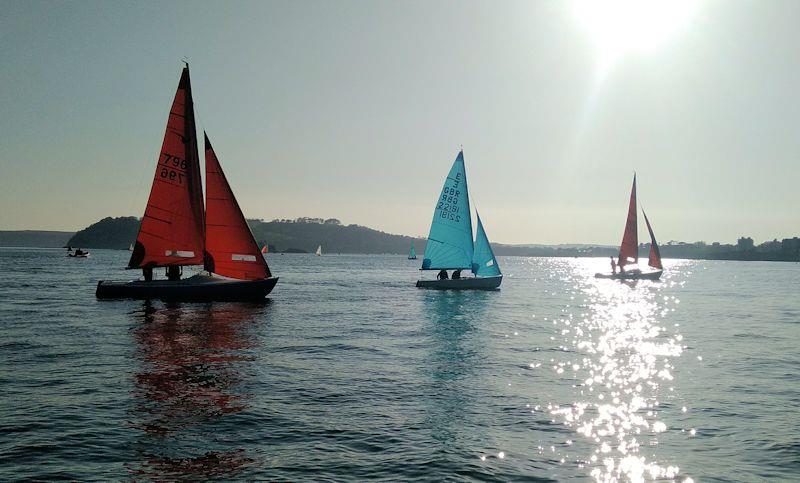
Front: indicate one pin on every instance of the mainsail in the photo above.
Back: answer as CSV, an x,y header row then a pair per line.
x,y
171,232
484,263
412,253
231,250
655,253
319,251
629,249
450,239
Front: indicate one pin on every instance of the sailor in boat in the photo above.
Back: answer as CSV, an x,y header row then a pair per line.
x,y
442,275
148,274
173,273
456,275
621,268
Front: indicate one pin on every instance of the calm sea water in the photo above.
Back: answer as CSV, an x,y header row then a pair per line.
x,y
349,372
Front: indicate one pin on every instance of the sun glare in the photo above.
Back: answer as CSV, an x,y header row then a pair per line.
x,y
620,27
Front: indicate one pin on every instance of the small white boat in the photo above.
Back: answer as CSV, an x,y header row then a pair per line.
x,y
319,251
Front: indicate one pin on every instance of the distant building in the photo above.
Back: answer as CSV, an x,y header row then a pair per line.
x,y
790,245
745,244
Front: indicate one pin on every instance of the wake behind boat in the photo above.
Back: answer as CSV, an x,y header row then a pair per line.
x,y
629,249
450,245
177,231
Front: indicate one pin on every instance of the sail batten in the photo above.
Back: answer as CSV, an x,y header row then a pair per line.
x,y
231,250
654,259
629,249
174,216
450,245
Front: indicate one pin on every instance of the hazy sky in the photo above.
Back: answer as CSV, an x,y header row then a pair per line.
x,y
356,110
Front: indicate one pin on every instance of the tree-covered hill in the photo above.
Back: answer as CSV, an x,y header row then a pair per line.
x,y
303,234
115,233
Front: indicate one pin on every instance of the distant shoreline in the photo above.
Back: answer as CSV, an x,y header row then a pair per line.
x,y
304,235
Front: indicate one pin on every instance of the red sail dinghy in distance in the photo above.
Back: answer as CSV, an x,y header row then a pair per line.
x,y
629,248
177,231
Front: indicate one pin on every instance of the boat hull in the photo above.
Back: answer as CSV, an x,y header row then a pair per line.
x,y
631,275
470,283
198,288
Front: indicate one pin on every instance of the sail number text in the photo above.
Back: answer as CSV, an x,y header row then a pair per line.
x,y
448,203
173,168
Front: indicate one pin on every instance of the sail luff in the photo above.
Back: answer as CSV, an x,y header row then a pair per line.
x,y
629,249
231,249
654,259
171,231
450,243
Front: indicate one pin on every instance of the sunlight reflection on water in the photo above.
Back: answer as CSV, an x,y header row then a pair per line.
x,y
620,354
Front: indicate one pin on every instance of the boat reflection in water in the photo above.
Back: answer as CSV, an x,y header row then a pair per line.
x,y
195,361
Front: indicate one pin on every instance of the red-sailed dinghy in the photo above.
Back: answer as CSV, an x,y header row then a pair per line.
x,y
176,230
629,249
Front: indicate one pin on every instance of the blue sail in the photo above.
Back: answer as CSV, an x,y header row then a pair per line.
x,y
484,264
450,239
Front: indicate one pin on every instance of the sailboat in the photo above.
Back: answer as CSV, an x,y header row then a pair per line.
x,y
450,245
412,253
265,249
629,249
177,231
319,251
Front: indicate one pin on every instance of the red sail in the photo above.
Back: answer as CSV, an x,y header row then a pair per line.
x,y
231,250
171,232
629,250
655,253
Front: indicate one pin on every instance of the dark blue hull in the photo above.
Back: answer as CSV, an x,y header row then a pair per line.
x,y
199,288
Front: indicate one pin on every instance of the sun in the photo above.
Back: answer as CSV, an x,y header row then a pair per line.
x,y
622,27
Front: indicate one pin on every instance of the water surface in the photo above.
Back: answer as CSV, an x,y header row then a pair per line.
x,y
350,372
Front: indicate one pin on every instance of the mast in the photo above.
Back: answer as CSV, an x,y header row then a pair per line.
x,y
171,232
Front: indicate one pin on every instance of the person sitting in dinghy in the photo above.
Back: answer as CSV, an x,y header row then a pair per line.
x,y
442,275
456,275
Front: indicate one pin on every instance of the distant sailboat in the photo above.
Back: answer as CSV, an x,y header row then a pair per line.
x,y
177,231
450,245
319,251
412,254
130,248
629,248
265,249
